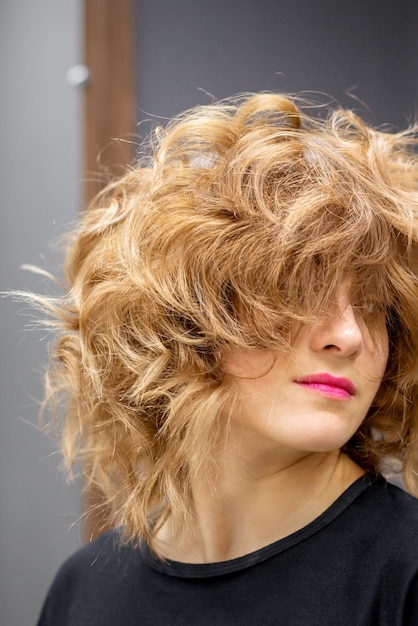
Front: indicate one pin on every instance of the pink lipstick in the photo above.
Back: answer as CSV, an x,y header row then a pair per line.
x,y
328,385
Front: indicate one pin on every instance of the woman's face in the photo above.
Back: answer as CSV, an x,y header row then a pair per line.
x,y
316,398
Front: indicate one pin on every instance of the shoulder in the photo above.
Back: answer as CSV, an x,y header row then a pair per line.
x,y
105,554
397,505
388,550
88,577
388,516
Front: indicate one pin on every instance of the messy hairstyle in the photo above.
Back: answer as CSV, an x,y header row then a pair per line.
x,y
236,226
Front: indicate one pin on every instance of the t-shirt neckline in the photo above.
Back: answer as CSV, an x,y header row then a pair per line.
x,y
206,570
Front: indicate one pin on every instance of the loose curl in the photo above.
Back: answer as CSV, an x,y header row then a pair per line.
x,y
235,229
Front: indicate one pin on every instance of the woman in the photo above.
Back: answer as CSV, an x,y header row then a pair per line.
x,y
239,349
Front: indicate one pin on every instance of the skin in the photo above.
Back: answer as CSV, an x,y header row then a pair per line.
x,y
281,465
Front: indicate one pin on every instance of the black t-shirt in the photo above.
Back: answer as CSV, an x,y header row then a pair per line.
x,y
356,564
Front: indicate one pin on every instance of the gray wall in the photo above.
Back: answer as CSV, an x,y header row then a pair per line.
x,y
39,194
231,46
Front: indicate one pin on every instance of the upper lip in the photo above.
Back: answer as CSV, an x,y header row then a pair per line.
x,y
328,379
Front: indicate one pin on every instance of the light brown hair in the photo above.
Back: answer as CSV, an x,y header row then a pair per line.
x,y
236,228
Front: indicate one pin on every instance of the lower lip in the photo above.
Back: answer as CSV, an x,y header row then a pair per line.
x,y
327,390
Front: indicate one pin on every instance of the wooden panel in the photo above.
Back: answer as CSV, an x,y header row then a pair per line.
x,y
109,131
109,103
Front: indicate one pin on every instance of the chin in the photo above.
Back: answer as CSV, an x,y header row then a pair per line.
x,y
329,436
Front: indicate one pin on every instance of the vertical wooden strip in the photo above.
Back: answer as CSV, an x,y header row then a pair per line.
x,y
109,104
109,129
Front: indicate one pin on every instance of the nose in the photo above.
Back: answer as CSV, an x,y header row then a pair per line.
x,y
338,332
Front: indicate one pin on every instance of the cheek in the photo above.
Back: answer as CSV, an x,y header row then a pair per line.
x,y
375,371
247,364
383,354
377,351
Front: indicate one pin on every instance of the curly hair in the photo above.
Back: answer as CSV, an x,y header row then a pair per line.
x,y
234,227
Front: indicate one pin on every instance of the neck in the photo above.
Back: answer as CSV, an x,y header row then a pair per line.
x,y
250,501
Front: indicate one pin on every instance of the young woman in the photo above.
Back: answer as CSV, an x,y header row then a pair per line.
x,y
239,350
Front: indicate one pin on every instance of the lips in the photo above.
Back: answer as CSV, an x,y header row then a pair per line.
x,y
328,385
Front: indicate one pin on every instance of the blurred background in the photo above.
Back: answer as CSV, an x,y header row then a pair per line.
x,y
144,60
